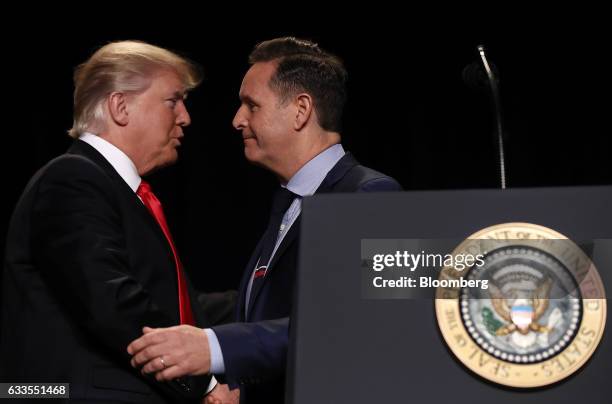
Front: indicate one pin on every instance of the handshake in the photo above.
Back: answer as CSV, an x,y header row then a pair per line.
x,y
171,353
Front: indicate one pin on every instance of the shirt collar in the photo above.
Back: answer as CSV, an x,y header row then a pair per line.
x,y
308,178
117,158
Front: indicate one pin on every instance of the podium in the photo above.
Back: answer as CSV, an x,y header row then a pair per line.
x,y
347,348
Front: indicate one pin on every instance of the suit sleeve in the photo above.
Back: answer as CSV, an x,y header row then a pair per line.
x,y
79,241
254,352
257,352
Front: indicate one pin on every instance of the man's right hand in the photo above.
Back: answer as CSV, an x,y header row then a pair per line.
x,y
221,394
172,352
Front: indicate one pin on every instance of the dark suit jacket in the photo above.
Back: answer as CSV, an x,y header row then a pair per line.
x,y
255,350
86,267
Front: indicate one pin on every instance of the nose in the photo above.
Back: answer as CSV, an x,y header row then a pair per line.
x,y
183,118
240,122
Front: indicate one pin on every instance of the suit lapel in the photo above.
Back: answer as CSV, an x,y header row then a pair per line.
x,y
244,283
289,238
337,173
333,176
84,149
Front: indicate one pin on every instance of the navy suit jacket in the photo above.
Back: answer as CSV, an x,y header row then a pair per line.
x,y
255,348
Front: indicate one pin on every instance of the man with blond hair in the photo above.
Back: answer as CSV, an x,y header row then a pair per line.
x,y
90,258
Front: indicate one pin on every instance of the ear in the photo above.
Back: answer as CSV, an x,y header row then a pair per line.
x,y
118,108
304,106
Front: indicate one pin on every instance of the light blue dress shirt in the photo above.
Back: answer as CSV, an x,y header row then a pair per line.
x,y
303,183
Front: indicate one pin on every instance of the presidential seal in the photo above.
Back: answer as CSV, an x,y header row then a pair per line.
x,y
540,318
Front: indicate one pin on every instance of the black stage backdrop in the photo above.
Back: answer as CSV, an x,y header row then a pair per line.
x,y
409,115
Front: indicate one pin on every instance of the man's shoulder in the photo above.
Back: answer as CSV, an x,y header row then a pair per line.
x,y
354,177
365,179
375,181
71,172
70,166
65,179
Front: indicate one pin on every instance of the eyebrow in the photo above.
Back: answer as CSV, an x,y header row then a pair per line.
x,y
246,98
180,94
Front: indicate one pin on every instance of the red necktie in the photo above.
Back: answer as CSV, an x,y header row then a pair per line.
x,y
154,206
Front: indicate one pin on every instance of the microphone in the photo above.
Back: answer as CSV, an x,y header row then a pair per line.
x,y
483,76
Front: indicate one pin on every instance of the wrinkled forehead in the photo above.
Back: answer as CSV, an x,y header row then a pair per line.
x,y
256,80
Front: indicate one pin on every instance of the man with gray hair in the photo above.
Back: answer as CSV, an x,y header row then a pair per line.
x,y
90,258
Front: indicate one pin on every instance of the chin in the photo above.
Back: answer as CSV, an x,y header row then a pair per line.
x,y
252,155
170,159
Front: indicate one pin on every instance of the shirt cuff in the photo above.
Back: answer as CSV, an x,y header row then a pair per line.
x,y
213,383
217,365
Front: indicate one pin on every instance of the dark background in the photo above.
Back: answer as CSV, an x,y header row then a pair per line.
x,y
409,113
